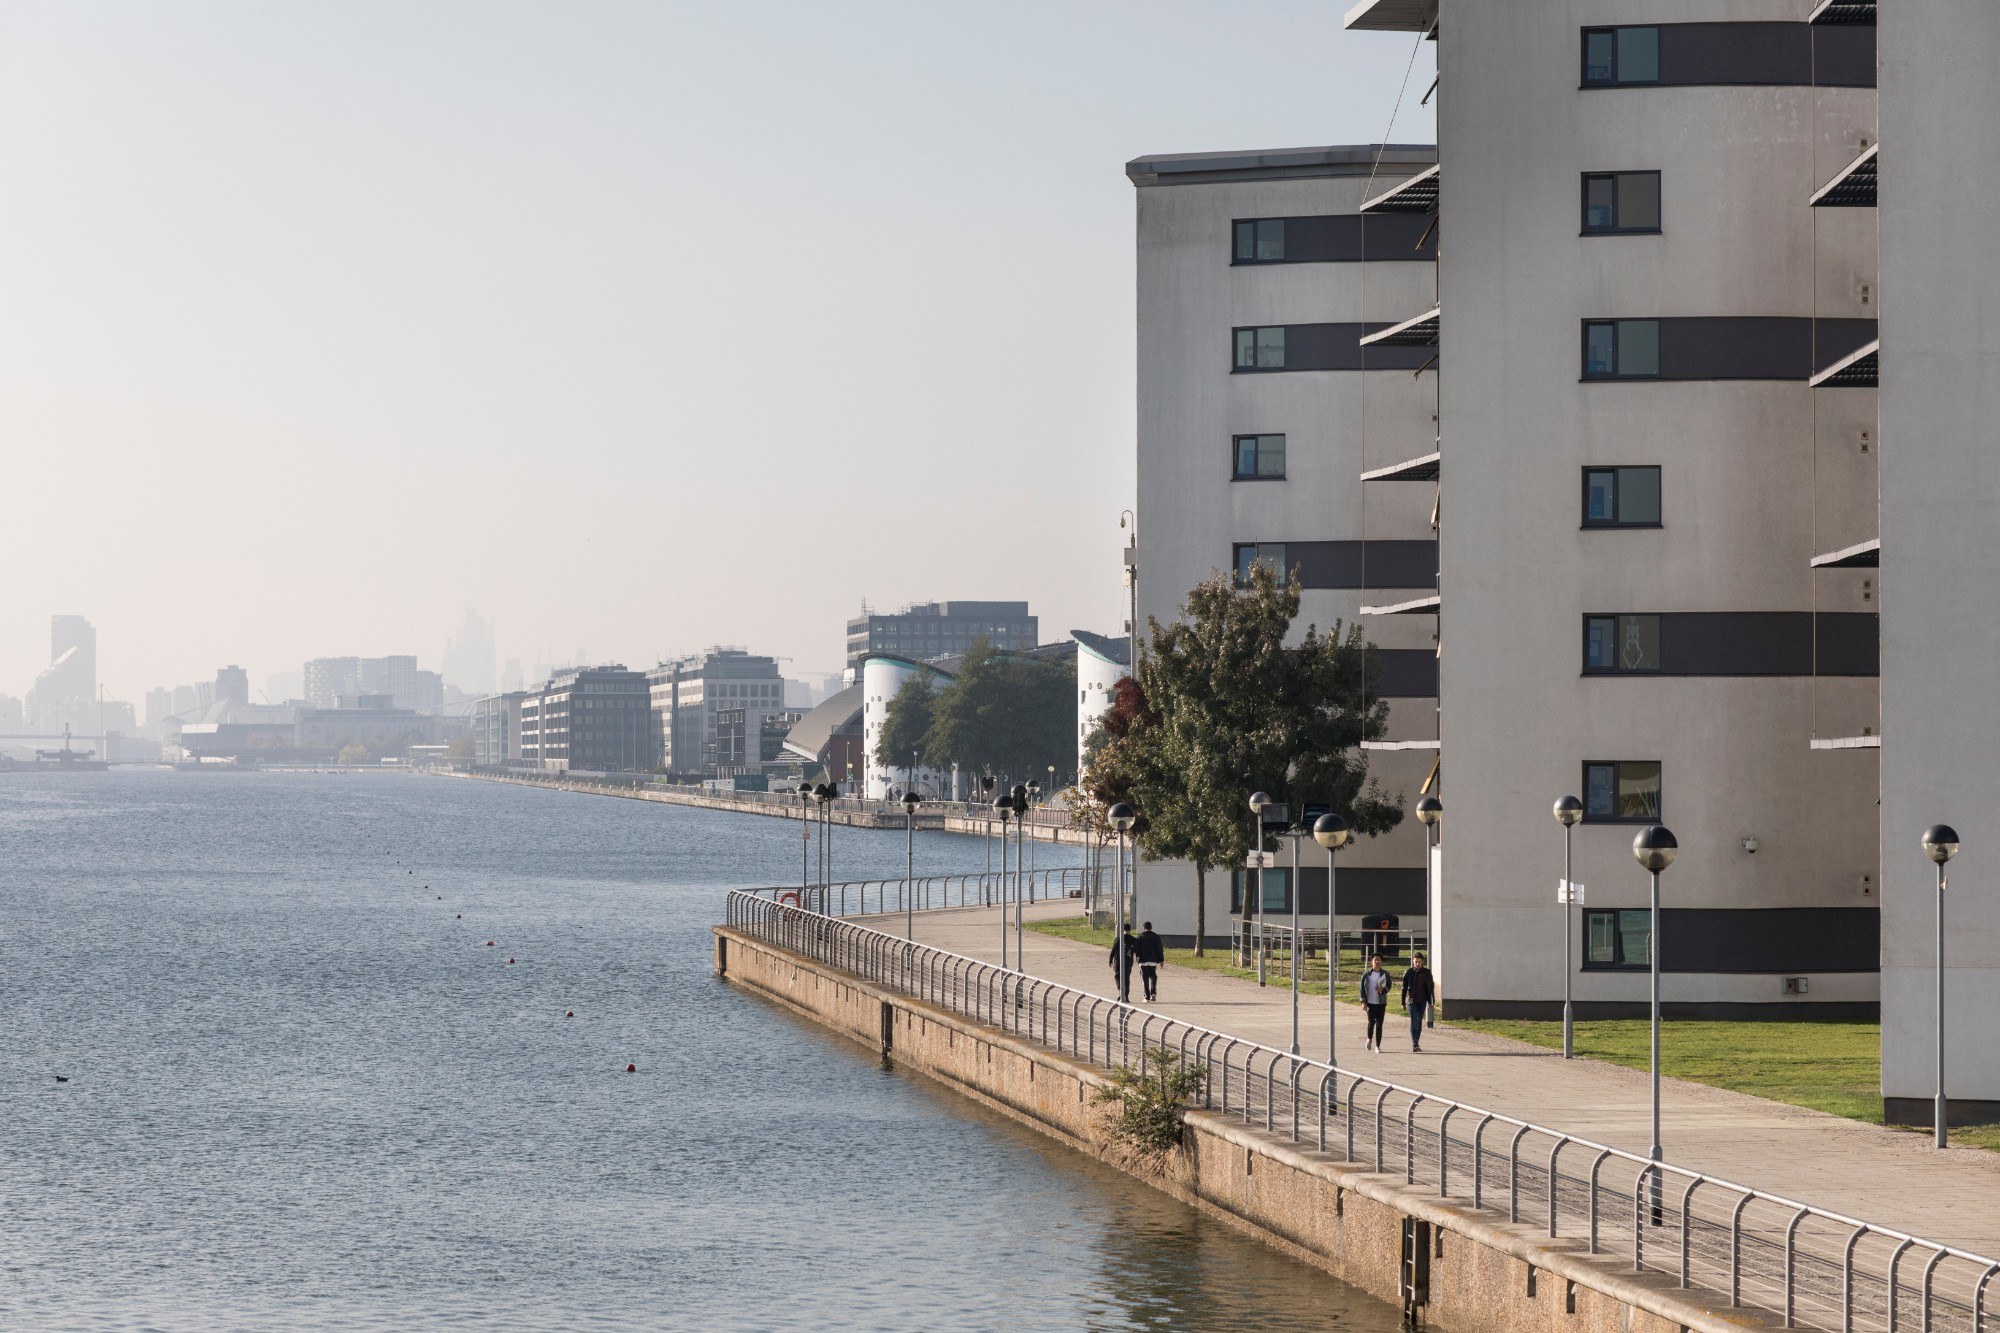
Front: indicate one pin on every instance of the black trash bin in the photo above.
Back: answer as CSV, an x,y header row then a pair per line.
x,y
1380,933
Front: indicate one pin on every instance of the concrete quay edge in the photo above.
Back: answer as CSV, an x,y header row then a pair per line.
x,y
1629,1302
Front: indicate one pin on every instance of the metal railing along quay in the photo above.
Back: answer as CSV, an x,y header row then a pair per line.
x,y
929,892
1811,1267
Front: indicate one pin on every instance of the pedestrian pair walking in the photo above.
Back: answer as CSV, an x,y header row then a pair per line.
x,y
1147,950
1419,998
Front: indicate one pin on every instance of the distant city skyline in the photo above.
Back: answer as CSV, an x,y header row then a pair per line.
x,y
639,329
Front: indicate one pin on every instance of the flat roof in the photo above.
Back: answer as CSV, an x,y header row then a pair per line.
x,y
1418,194
1859,369
1417,331
1830,12
1393,15
1421,606
1853,186
1861,555
1410,469
1251,164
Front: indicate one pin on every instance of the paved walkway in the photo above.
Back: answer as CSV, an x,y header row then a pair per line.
x,y
1887,1177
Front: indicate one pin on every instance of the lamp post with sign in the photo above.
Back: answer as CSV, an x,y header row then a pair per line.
x,y
1568,811
1259,803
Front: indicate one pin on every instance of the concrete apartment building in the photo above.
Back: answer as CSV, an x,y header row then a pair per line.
x,y
588,719
496,729
1660,583
1259,410
937,629
325,679
686,694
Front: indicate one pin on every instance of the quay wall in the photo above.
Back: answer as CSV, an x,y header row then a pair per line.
x,y
850,814
1484,1275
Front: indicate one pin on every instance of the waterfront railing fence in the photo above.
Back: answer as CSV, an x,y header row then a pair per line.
x,y
1812,1268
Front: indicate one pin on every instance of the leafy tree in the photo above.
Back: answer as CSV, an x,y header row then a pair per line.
x,y
1152,1107
907,723
354,752
1003,714
1231,709
459,750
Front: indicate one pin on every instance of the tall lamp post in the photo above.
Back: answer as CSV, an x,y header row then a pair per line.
x,y
805,840
1021,888
1568,811
1295,833
1258,800
1034,799
1655,848
1430,811
1122,818
1330,831
823,794
910,804
1003,806
1940,844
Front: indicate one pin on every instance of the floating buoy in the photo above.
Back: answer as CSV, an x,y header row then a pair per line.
x,y
510,962
489,944
459,917
631,1069
569,1013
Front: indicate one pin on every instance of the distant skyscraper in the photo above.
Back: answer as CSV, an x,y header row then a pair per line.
x,y
159,707
469,655
511,679
66,691
232,683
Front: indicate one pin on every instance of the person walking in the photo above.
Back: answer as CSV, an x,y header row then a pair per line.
x,y
1125,951
1375,996
1419,994
1152,953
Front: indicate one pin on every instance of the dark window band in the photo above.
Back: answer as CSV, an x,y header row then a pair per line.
x,y
1336,238
1275,348
1349,564
1737,939
1719,347
1731,643
1793,55
1363,891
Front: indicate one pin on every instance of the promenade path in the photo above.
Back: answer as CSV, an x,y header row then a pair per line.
x,y
1886,1177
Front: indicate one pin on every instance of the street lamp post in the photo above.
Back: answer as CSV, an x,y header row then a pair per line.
x,y
1258,800
1034,799
822,794
910,804
1568,811
805,840
1655,848
1294,833
1330,831
1430,811
1003,807
1021,889
1940,844
1122,818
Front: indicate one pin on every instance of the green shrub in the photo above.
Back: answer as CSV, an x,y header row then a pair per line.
x,y
1151,1105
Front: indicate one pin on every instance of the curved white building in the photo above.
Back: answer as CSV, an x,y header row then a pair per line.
x,y
1101,662
881,677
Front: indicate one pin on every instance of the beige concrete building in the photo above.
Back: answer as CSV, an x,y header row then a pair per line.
x,y
1259,409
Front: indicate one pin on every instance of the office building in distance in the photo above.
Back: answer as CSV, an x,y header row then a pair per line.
x,y
938,629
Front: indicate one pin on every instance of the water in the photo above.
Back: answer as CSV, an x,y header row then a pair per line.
x,y
304,1092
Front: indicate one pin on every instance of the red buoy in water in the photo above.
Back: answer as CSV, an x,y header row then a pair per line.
x,y
489,944
510,962
570,1014
631,1069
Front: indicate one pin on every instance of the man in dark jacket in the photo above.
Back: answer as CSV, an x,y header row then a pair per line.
x,y
1152,953
1419,993
1124,953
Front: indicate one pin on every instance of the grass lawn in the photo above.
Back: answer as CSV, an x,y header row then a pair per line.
x,y
1826,1066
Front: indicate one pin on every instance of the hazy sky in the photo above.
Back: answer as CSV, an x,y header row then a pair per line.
x,y
639,327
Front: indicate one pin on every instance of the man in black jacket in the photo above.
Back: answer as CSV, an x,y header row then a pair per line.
x,y
1124,952
1152,953
1419,993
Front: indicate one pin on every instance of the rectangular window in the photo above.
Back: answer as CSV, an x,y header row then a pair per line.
x,y
1621,203
1260,457
1622,792
1261,349
1621,497
1621,349
1248,554
1617,57
1260,240
1620,940
1617,645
